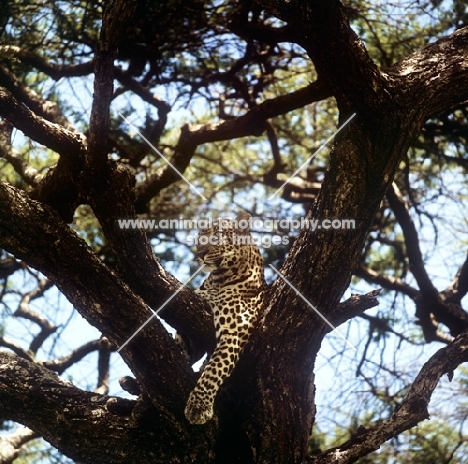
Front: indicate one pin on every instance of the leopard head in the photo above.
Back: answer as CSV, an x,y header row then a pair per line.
x,y
219,244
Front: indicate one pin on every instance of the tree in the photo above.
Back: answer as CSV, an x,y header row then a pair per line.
x,y
256,65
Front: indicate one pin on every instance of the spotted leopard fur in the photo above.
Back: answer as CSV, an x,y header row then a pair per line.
x,y
234,291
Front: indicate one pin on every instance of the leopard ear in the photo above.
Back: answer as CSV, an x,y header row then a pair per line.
x,y
243,221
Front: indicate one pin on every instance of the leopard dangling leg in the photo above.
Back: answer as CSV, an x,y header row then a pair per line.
x,y
200,403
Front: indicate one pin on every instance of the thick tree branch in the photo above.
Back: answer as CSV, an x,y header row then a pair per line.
x,y
435,75
55,71
117,14
140,269
33,232
57,188
46,109
66,143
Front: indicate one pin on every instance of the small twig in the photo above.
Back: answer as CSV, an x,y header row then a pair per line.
x,y
355,305
62,364
25,312
15,348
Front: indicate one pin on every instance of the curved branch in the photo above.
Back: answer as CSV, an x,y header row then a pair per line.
x,y
62,364
416,262
45,108
144,93
385,281
18,350
55,71
9,266
251,123
68,144
33,232
429,302
412,410
24,311
338,54
435,75
29,174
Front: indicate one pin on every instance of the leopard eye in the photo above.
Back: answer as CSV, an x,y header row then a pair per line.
x,y
205,233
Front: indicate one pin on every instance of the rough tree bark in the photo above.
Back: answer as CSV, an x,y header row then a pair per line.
x,y
269,415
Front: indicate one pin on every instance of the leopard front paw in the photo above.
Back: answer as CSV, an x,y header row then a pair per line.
x,y
198,411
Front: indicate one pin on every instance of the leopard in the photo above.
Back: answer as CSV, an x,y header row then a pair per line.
x,y
234,290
